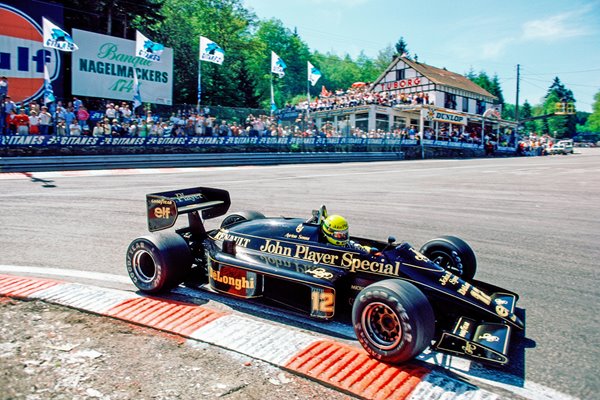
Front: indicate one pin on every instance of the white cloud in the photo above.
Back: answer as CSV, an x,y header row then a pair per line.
x,y
495,49
565,25
559,26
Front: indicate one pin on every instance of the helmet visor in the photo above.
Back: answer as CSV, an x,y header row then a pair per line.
x,y
340,235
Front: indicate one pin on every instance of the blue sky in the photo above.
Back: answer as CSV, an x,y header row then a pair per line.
x,y
547,38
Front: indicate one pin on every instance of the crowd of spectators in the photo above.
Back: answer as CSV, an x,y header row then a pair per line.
x,y
118,119
358,96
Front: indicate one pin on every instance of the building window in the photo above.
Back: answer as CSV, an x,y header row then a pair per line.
x,y
480,107
465,106
400,74
361,122
382,122
450,101
399,123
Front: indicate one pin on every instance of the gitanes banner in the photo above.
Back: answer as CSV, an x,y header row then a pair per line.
x,y
39,140
103,67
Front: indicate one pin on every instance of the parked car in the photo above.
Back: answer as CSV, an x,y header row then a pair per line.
x,y
567,146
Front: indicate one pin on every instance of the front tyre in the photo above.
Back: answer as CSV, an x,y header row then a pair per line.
x,y
158,262
453,254
393,320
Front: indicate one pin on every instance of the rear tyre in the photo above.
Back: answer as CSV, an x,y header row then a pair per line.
x,y
236,218
158,262
453,254
393,320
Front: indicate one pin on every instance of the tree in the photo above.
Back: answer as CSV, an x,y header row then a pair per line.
x,y
111,17
384,58
560,126
401,47
496,89
272,35
526,111
227,23
593,122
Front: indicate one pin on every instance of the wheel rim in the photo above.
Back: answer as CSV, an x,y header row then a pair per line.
x,y
449,262
144,266
382,326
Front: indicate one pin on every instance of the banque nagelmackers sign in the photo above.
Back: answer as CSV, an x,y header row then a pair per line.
x,y
104,67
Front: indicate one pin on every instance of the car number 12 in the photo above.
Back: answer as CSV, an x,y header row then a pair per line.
x,y
322,301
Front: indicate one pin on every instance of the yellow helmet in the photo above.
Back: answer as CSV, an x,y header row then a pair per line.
x,y
335,230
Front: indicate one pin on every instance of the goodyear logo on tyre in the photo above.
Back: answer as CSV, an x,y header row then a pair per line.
x,y
22,55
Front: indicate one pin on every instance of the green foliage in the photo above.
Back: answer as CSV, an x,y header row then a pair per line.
x,y
526,111
384,58
593,121
559,126
401,47
111,17
244,79
491,85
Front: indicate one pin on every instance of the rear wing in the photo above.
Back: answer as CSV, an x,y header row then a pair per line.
x,y
164,207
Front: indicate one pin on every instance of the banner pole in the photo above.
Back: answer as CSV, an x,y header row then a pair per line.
x,y
272,95
308,102
199,83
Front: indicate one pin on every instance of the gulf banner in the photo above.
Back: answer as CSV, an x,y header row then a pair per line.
x,y
23,56
104,68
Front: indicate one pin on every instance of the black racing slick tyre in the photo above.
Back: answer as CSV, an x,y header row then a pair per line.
x,y
393,320
158,262
453,254
236,218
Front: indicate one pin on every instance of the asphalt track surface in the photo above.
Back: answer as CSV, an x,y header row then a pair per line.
x,y
534,223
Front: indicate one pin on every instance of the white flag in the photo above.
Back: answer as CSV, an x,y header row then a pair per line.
x,y
56,38
137,96
210,51
48,92
313,74
146,48
277,65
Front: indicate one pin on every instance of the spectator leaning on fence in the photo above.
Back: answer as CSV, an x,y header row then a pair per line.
x,y
22,122
45,121
83,116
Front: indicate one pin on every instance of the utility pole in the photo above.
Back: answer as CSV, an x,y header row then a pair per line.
x,y
517,102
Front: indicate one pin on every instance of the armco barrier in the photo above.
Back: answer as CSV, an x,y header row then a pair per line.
x,y
73,163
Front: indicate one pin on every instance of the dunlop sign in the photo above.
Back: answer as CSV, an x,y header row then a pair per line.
x,y
104,67
449,117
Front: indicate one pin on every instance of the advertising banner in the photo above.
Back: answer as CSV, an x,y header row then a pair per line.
x,y
23,57
449,117
103,67
49,140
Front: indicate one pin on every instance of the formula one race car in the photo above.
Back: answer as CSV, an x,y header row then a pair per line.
x,y
401,300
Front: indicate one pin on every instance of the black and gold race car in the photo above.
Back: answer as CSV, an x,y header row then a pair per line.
x,y
400,300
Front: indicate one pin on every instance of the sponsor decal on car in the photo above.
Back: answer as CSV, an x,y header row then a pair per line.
x,y
320,273
464,329
237,283
240,241
488,337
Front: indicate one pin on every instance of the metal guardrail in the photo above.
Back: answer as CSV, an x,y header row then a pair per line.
x,y
72,163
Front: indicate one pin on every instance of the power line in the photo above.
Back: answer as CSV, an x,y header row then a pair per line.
x,y
564,72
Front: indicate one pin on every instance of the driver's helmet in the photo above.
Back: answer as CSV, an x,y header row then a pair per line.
x,y
335,230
